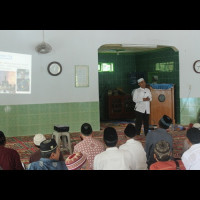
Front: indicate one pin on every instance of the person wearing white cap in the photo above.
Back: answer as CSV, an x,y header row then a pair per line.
x,y
196,125
142,97
37,139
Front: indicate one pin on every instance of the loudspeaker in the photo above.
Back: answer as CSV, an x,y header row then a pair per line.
x,y
61,128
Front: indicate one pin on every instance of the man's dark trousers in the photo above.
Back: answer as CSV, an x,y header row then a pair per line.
x,y
142,117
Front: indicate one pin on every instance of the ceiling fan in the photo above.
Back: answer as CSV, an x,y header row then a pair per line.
x,y
43,47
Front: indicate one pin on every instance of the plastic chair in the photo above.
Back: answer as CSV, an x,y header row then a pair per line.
x,y
58,140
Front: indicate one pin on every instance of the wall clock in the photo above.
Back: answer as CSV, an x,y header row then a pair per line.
x,y
54,68
196,66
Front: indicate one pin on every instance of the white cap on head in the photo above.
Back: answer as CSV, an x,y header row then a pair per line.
x,y
196,125
38,138
140,80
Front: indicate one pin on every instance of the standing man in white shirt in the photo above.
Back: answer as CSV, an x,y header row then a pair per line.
x,y
113,158
191,157
142,97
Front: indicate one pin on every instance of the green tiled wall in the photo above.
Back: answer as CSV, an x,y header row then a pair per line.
x,y
190,110
145,62
21,120
123,64
137,62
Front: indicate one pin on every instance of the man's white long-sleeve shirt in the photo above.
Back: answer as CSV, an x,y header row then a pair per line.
x,y
191,158
139,94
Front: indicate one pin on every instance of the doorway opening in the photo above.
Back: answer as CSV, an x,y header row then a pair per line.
x,y
120,66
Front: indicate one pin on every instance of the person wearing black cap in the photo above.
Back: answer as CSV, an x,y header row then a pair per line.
x,y
155,136
142,97
191,157
134,147
113,158
89,145
49,160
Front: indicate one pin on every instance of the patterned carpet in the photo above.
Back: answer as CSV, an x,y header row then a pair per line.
x,y
25,146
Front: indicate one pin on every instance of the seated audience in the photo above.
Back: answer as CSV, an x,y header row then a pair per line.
x,y
155,136
163,157
113,158
186,145
9,158
77,161
134,147
38,138
191,157
49,160
89,146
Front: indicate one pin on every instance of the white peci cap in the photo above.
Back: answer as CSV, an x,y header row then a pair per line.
x,y
140,80
196,125
38,138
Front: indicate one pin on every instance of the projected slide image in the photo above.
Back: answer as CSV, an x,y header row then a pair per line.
x,y
23,81
15,73
7,82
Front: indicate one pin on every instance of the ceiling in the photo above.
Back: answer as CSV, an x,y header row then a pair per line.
x,y
129,48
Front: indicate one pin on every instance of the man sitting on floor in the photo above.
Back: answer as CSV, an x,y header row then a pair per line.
x,y
186,145
191,157
38,138
134,147
163,156
89,146
113,158
155,136
9,158
49,160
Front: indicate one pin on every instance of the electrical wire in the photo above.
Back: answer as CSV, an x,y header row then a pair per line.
x,y
186,101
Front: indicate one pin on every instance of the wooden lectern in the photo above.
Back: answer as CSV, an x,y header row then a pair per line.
x,y
162,104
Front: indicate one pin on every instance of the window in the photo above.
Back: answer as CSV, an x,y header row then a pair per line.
x,y
106,67
99,67
165,67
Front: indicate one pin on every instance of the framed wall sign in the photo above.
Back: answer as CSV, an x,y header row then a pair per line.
x,y
81,76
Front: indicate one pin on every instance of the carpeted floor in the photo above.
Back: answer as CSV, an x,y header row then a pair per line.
x,y
25,146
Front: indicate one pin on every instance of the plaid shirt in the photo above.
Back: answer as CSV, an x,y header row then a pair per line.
x,y
90,147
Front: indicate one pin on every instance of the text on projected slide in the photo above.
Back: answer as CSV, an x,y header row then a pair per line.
x,y
15,73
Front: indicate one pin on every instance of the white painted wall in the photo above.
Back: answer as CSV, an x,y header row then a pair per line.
x,y
80,47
